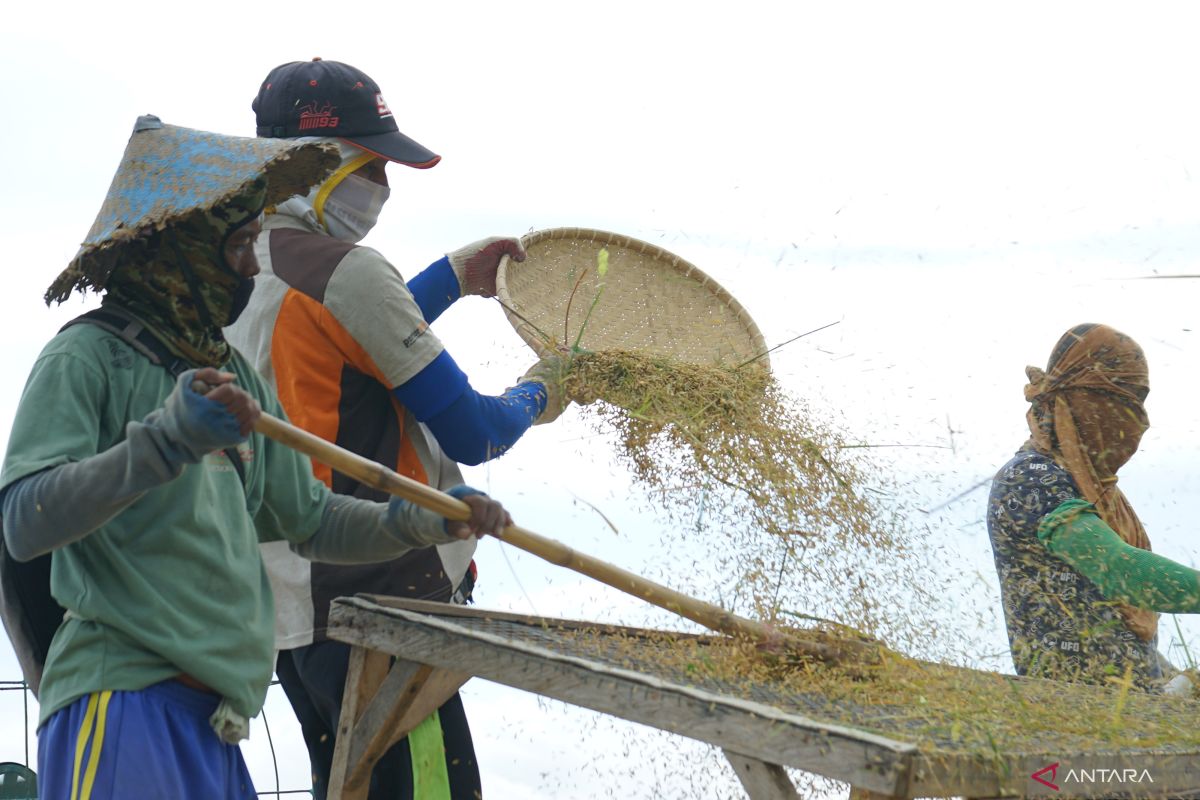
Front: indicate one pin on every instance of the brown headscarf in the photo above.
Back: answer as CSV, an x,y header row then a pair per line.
x,y
1087,414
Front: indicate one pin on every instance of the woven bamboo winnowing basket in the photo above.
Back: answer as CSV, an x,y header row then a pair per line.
x,y
652,300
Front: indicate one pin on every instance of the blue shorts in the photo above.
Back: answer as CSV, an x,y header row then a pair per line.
x,y
152,744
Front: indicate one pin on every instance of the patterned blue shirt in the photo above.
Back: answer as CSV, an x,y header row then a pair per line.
x,y
1059,625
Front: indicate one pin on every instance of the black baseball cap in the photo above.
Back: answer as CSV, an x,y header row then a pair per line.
x,y
329,98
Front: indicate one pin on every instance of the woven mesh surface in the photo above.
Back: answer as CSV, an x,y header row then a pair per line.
x,y
645,654
652,300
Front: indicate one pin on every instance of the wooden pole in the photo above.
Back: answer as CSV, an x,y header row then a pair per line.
x,y
710,616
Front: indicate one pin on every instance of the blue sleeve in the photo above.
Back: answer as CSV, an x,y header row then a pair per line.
x,y
427,393
435,289
471,428
477,428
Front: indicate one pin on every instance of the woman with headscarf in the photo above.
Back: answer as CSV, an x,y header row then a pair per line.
x,y
1079,584
153,497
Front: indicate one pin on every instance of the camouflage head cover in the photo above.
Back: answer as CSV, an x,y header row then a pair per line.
x,y
176,281
176,196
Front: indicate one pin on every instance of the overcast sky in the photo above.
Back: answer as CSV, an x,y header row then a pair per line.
x,y
955,183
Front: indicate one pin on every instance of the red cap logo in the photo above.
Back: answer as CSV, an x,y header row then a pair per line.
x,y
382,106
312,117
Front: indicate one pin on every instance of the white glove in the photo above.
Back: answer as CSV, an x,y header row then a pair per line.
x,y
475,264
550,371
1180,686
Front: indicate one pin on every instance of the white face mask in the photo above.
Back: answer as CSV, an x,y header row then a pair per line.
x,y
352,208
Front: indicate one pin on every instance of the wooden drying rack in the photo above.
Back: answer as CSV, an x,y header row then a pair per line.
x,y
436,648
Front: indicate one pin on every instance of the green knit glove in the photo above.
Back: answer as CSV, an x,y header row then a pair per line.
x,y
1122,572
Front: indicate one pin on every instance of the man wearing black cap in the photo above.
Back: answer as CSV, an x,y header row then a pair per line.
x,y
347,343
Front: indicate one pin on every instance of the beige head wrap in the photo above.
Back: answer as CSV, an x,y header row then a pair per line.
x,y
1087,414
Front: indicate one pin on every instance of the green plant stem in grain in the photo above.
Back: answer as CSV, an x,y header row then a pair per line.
x,y
1187,653
601,270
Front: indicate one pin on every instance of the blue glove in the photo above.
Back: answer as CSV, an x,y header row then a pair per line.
x,y
418,527
193,423
458,493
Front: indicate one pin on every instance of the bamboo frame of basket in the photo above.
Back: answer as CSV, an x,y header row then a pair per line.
x,y
656,320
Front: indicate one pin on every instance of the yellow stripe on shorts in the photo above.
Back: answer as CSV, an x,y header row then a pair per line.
x,y
89,777
93,720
